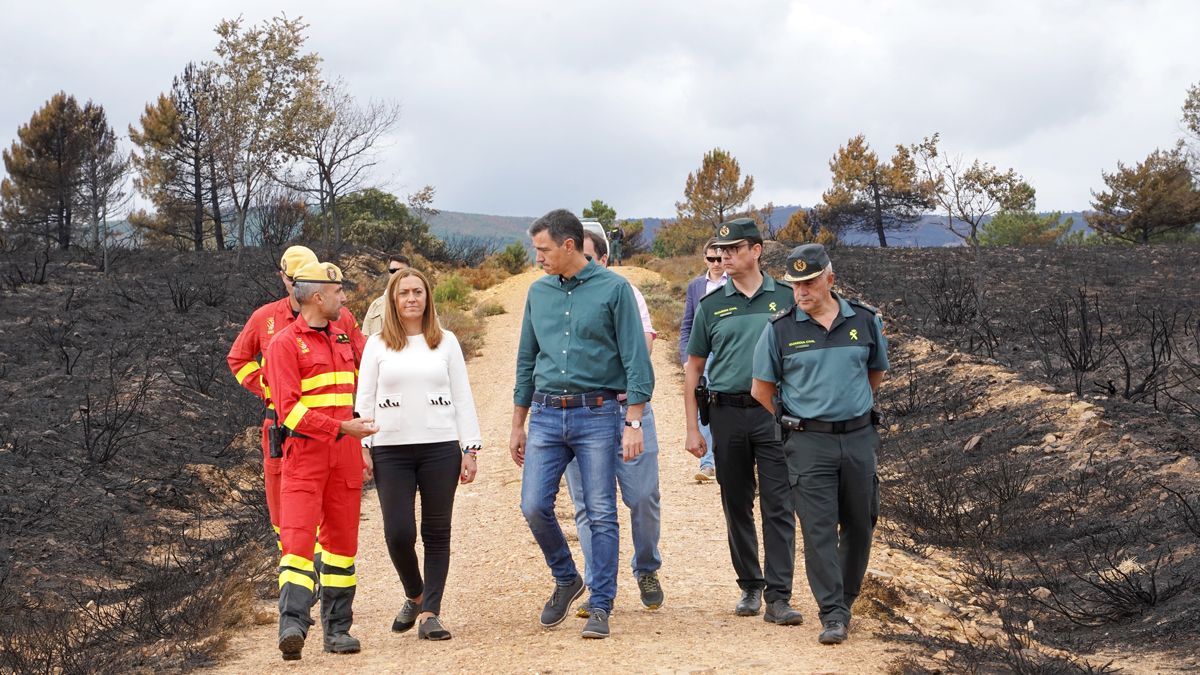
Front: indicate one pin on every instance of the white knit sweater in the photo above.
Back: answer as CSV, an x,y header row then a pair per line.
x,y
417,395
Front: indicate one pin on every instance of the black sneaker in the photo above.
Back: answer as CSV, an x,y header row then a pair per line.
x,y
834,633
406,618
781,613
597,625
342,643
651,590
560,601
750,603
291,643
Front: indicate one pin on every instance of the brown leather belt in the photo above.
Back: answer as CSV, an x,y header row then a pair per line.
x,y
590,399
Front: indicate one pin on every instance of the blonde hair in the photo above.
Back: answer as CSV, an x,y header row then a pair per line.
x,y
393,333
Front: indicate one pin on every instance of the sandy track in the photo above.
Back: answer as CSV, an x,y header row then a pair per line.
x,y
498,580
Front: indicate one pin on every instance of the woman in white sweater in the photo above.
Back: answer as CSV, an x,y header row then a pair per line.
x,y
413,382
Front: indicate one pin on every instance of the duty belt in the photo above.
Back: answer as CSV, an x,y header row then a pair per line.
x,y
841,427
270,415
591,398
735,400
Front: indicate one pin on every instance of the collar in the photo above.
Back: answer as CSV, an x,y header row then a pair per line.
x,y
844,309
330,328
589,270
768,285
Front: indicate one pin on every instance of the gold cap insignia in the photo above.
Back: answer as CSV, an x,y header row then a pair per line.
x,y
799,265
724,231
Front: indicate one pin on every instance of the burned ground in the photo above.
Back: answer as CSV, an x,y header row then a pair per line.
x,y
132,525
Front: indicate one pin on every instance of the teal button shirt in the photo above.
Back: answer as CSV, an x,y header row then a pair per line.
x,y
823,375
728,325
582,334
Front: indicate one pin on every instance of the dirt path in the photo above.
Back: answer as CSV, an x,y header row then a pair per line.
x,y
498,579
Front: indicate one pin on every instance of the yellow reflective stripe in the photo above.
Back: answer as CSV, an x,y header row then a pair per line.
x,y
336,560
276,528
246,370
293,577
266,389
270,406
327,379
317,550
339,580
327,400
298,562
293,417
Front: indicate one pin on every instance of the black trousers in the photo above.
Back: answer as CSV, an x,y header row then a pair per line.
x,y
401,471
745,440
836,492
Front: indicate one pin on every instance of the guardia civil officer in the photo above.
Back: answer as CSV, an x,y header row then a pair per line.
x,y
727,325
826,357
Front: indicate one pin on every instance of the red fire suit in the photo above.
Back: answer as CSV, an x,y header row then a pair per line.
x,y
246,362
312,376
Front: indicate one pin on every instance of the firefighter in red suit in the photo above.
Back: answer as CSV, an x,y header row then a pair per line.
x,y
311,370
245,361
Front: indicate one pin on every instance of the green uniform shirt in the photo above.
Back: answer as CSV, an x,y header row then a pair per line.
x,y
823,375
728,325
582,334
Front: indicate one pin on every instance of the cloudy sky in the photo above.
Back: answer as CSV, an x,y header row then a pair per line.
x,y
514,108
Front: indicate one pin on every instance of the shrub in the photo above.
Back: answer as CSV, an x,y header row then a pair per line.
x,y
514,258
485,276
489,308
452,291
467,327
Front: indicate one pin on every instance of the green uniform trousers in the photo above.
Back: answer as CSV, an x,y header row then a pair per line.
x,y
835,491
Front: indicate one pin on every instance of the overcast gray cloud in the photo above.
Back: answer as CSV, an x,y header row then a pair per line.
x,y
518,107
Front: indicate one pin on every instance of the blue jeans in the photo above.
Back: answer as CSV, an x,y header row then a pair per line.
x,y
638,481
556,436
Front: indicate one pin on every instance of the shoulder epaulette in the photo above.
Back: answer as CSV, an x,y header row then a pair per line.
x,y
781,313
863,305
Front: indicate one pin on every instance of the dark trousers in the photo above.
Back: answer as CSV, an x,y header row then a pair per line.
x,y
745,439
836,492
401,471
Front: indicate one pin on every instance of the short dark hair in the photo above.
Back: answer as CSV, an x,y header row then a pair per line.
x,y
711,243
598,243
562,225
400,258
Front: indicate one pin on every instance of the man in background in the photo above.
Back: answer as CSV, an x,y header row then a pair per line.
x,y
373,320
713,278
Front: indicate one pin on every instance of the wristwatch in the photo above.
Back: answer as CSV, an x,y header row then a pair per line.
x,y
636,424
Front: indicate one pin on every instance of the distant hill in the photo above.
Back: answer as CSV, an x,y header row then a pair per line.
x,y
505,228
929,231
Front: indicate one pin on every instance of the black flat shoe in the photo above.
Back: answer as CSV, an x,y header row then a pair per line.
x,y
432,629
407,617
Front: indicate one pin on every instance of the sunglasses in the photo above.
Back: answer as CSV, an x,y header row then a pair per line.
x,y
393,270
713,258
732,249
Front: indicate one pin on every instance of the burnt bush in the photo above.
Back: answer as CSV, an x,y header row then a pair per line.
x,y
1108,577
112,412
35,272
948,293
198,367
184,293
59,336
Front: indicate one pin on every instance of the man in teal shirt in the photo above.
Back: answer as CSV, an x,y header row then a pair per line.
x,y
727,325
581,345
827,357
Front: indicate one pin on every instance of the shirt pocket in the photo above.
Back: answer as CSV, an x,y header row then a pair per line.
x,y
439,410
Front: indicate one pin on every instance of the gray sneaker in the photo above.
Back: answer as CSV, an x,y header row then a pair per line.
x,y
597,625
560,601
651,590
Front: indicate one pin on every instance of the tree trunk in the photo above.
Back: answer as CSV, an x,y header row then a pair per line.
x,y
197,203
878,215
218,225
